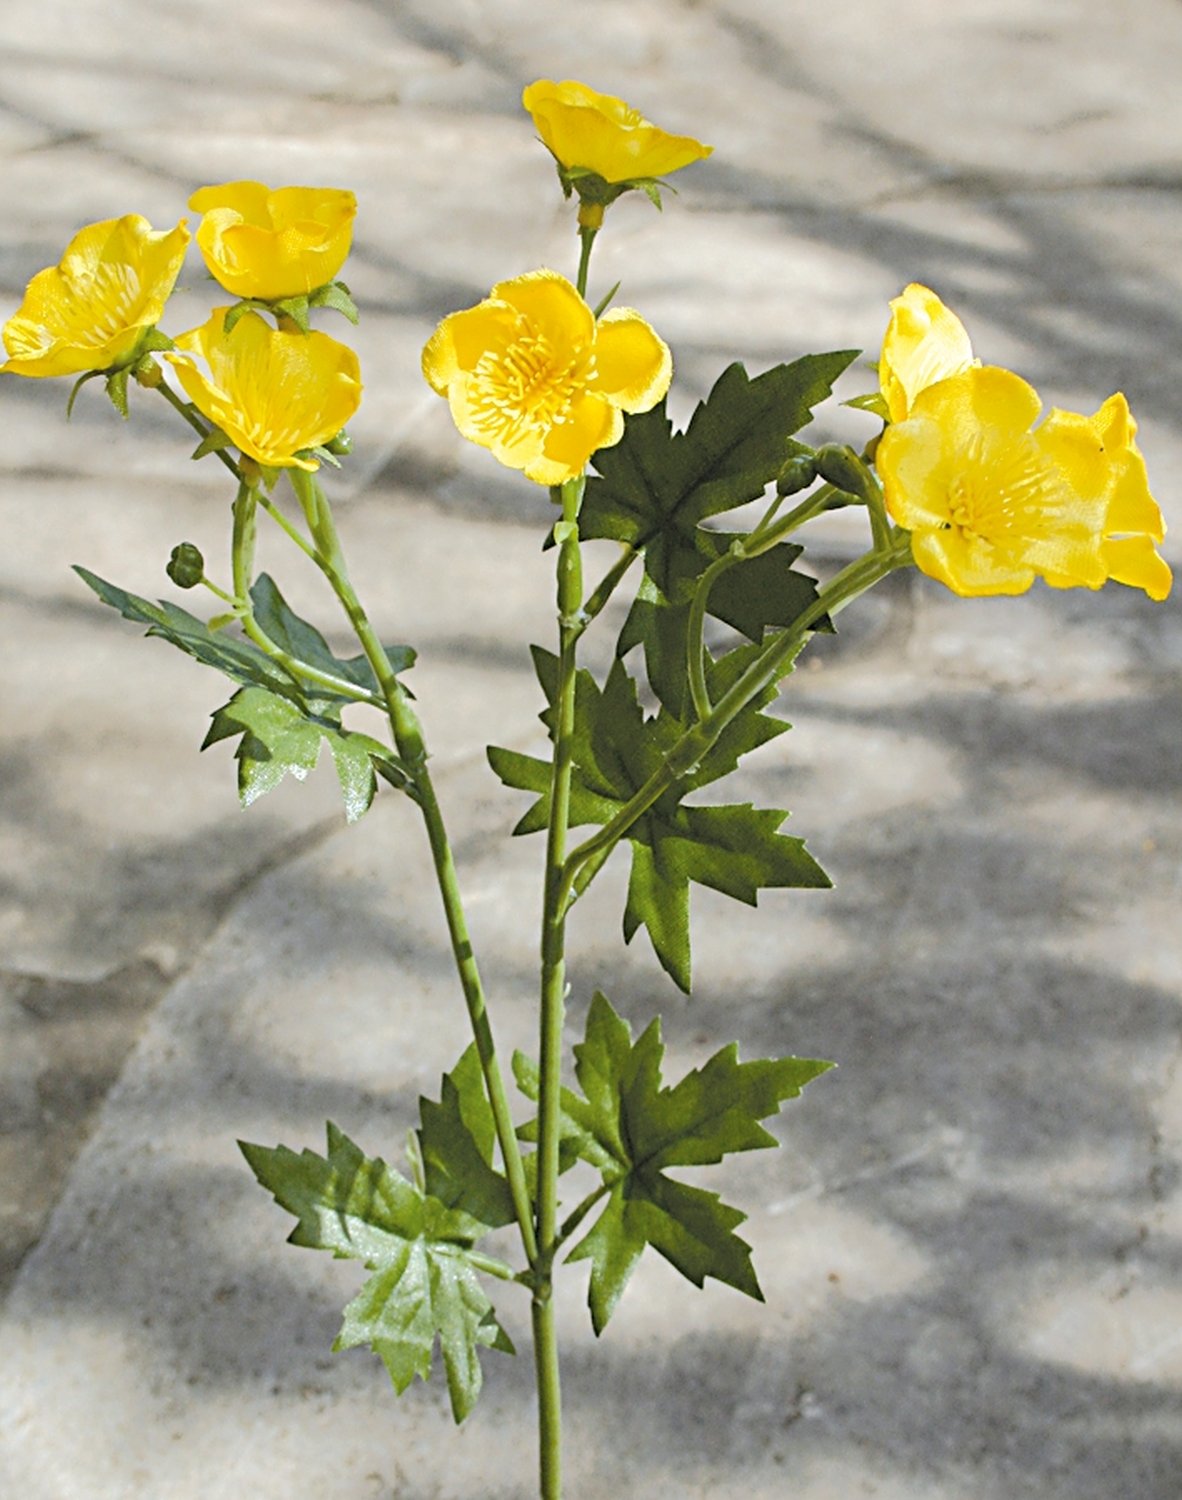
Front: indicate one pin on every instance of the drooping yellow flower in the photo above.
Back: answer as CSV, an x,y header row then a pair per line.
x,y
602,134
270,245
924,343
993,502
531,375
273,393
91,311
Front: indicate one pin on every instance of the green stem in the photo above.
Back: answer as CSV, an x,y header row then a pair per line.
x,y
578,1214
586,240
242,560
607,586
695,627
285,525
554,908
766,669
195,422
409,742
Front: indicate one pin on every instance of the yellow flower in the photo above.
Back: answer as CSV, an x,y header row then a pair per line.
x,y
91,311
602,134
270,245
924,343
273,393
532,376
992,502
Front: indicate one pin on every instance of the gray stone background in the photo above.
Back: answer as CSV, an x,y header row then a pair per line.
x,y
971,1243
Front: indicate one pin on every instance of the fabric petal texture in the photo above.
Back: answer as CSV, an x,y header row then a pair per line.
x,y
275,394
924,343
531,375
599,133
92,310
993,502
271,244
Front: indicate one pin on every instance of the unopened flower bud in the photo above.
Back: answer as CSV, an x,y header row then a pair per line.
x,y
341,445
148,373
840,466
796,475
186,566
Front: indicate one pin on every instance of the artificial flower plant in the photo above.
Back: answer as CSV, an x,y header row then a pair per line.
x,y
956,477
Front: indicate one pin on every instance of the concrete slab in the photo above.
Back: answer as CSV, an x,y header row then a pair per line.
x,y
970,1241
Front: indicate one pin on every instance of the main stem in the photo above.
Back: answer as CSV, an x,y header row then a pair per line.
x,y
408,739
553,999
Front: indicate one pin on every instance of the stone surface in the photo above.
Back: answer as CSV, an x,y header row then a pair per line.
x,y
970,1242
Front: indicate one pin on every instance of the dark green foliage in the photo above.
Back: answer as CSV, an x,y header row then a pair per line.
x,y
734,849
457,1139
632,1128
656,486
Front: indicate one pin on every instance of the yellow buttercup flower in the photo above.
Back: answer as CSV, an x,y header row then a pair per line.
x,y
273,393
271,245
601,134
993,502
924,343
92,310
532,375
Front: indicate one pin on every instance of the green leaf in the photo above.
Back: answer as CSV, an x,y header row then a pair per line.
x,y
639,1127
425,1285
734,849
300,639
656,486
278,737
457,1139
237,659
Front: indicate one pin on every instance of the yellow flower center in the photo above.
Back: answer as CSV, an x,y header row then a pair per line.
x,y
529,385
1003,498
98,309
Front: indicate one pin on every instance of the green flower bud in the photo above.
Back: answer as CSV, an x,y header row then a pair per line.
x,y
840,466
186,566
797,474
341,445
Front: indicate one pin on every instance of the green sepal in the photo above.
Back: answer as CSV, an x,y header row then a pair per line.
x,y
635,1128
335,295
76,387
214,441
424,1285
116,388
457,1141
656,486
873,402
154,342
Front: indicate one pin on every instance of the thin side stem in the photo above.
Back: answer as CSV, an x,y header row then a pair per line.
x,y
607,586
586,240
767,668
196,424
411,747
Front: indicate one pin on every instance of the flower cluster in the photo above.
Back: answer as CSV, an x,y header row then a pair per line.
x,y
993,502
277,392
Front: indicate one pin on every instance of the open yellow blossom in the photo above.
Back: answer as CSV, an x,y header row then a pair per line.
x,y
531,375
993,502
273,393
602,134
92,310
270,245
924,343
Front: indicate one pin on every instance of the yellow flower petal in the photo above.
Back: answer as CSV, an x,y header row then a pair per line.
x,y
1133,560
530,376
991,504
273,244
272,392
634,365
924,343
90,312
602,134
593,423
